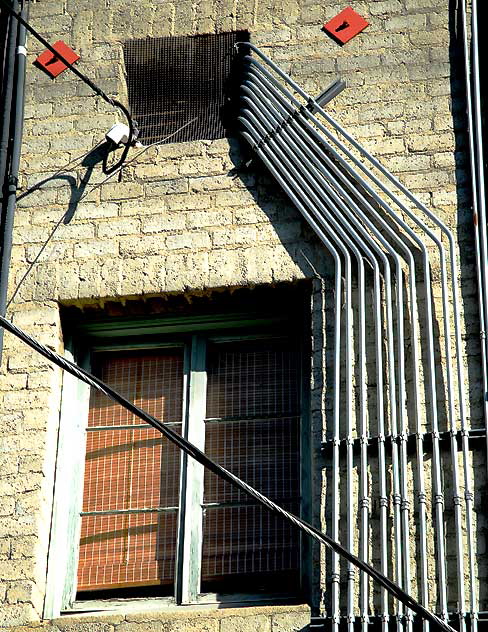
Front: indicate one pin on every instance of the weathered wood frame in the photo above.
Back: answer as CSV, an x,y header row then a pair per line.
x,y
151,334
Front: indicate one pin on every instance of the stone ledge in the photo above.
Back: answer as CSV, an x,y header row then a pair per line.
x,y
281,618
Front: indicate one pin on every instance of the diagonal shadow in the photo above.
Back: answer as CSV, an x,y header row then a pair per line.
x,y
94,157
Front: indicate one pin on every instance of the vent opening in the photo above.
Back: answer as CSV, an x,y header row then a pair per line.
x,y
173,80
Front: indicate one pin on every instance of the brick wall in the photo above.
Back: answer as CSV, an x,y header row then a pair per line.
x,y
191,217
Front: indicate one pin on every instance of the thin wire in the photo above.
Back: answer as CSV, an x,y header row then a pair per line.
x,y
217,469
61,219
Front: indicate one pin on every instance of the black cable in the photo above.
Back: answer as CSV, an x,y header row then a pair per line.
x,y
224,474
98,91
114,172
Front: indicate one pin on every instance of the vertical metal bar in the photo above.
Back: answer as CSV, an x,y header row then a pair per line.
x,y
351,571
335,576
364,501
6,94
481,248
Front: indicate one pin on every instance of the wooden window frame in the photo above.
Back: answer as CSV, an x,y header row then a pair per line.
x,y
193,334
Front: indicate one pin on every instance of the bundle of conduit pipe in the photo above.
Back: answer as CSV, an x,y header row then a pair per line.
x,y
11,124
383,242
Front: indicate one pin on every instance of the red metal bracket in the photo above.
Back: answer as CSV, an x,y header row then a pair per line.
x,y
346,25
51,64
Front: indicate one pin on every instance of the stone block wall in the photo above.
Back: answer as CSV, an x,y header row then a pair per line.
x,y
257,618
189,217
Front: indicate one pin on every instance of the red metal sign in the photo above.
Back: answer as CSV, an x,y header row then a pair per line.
x,y
52,64
346,25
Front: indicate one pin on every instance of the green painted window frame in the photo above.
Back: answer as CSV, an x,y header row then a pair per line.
x,y
192,334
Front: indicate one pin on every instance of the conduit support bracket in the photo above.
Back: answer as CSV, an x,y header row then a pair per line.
x,y
473,435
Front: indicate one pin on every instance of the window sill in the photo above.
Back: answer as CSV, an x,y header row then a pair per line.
x,y
209,601
210,617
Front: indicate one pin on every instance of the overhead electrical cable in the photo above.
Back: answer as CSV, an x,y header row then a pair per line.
x,y
96,89
224,474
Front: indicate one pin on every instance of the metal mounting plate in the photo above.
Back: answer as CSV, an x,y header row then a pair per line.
x,y
346,25
51,64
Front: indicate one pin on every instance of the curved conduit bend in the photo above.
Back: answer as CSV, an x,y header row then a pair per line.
x,y
363,208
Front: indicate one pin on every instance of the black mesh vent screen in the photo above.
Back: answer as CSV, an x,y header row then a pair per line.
x,y
172,80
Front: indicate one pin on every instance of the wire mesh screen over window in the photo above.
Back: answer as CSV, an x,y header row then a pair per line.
x,y
174,80
252,428
132,474
131,490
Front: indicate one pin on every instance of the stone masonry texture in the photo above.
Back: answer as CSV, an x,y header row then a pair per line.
x,y
194,217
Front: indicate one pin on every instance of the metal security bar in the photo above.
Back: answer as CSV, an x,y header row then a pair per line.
x,y
363,214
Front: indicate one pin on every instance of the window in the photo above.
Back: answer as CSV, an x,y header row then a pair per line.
x,y
184,87
151,518
131,483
